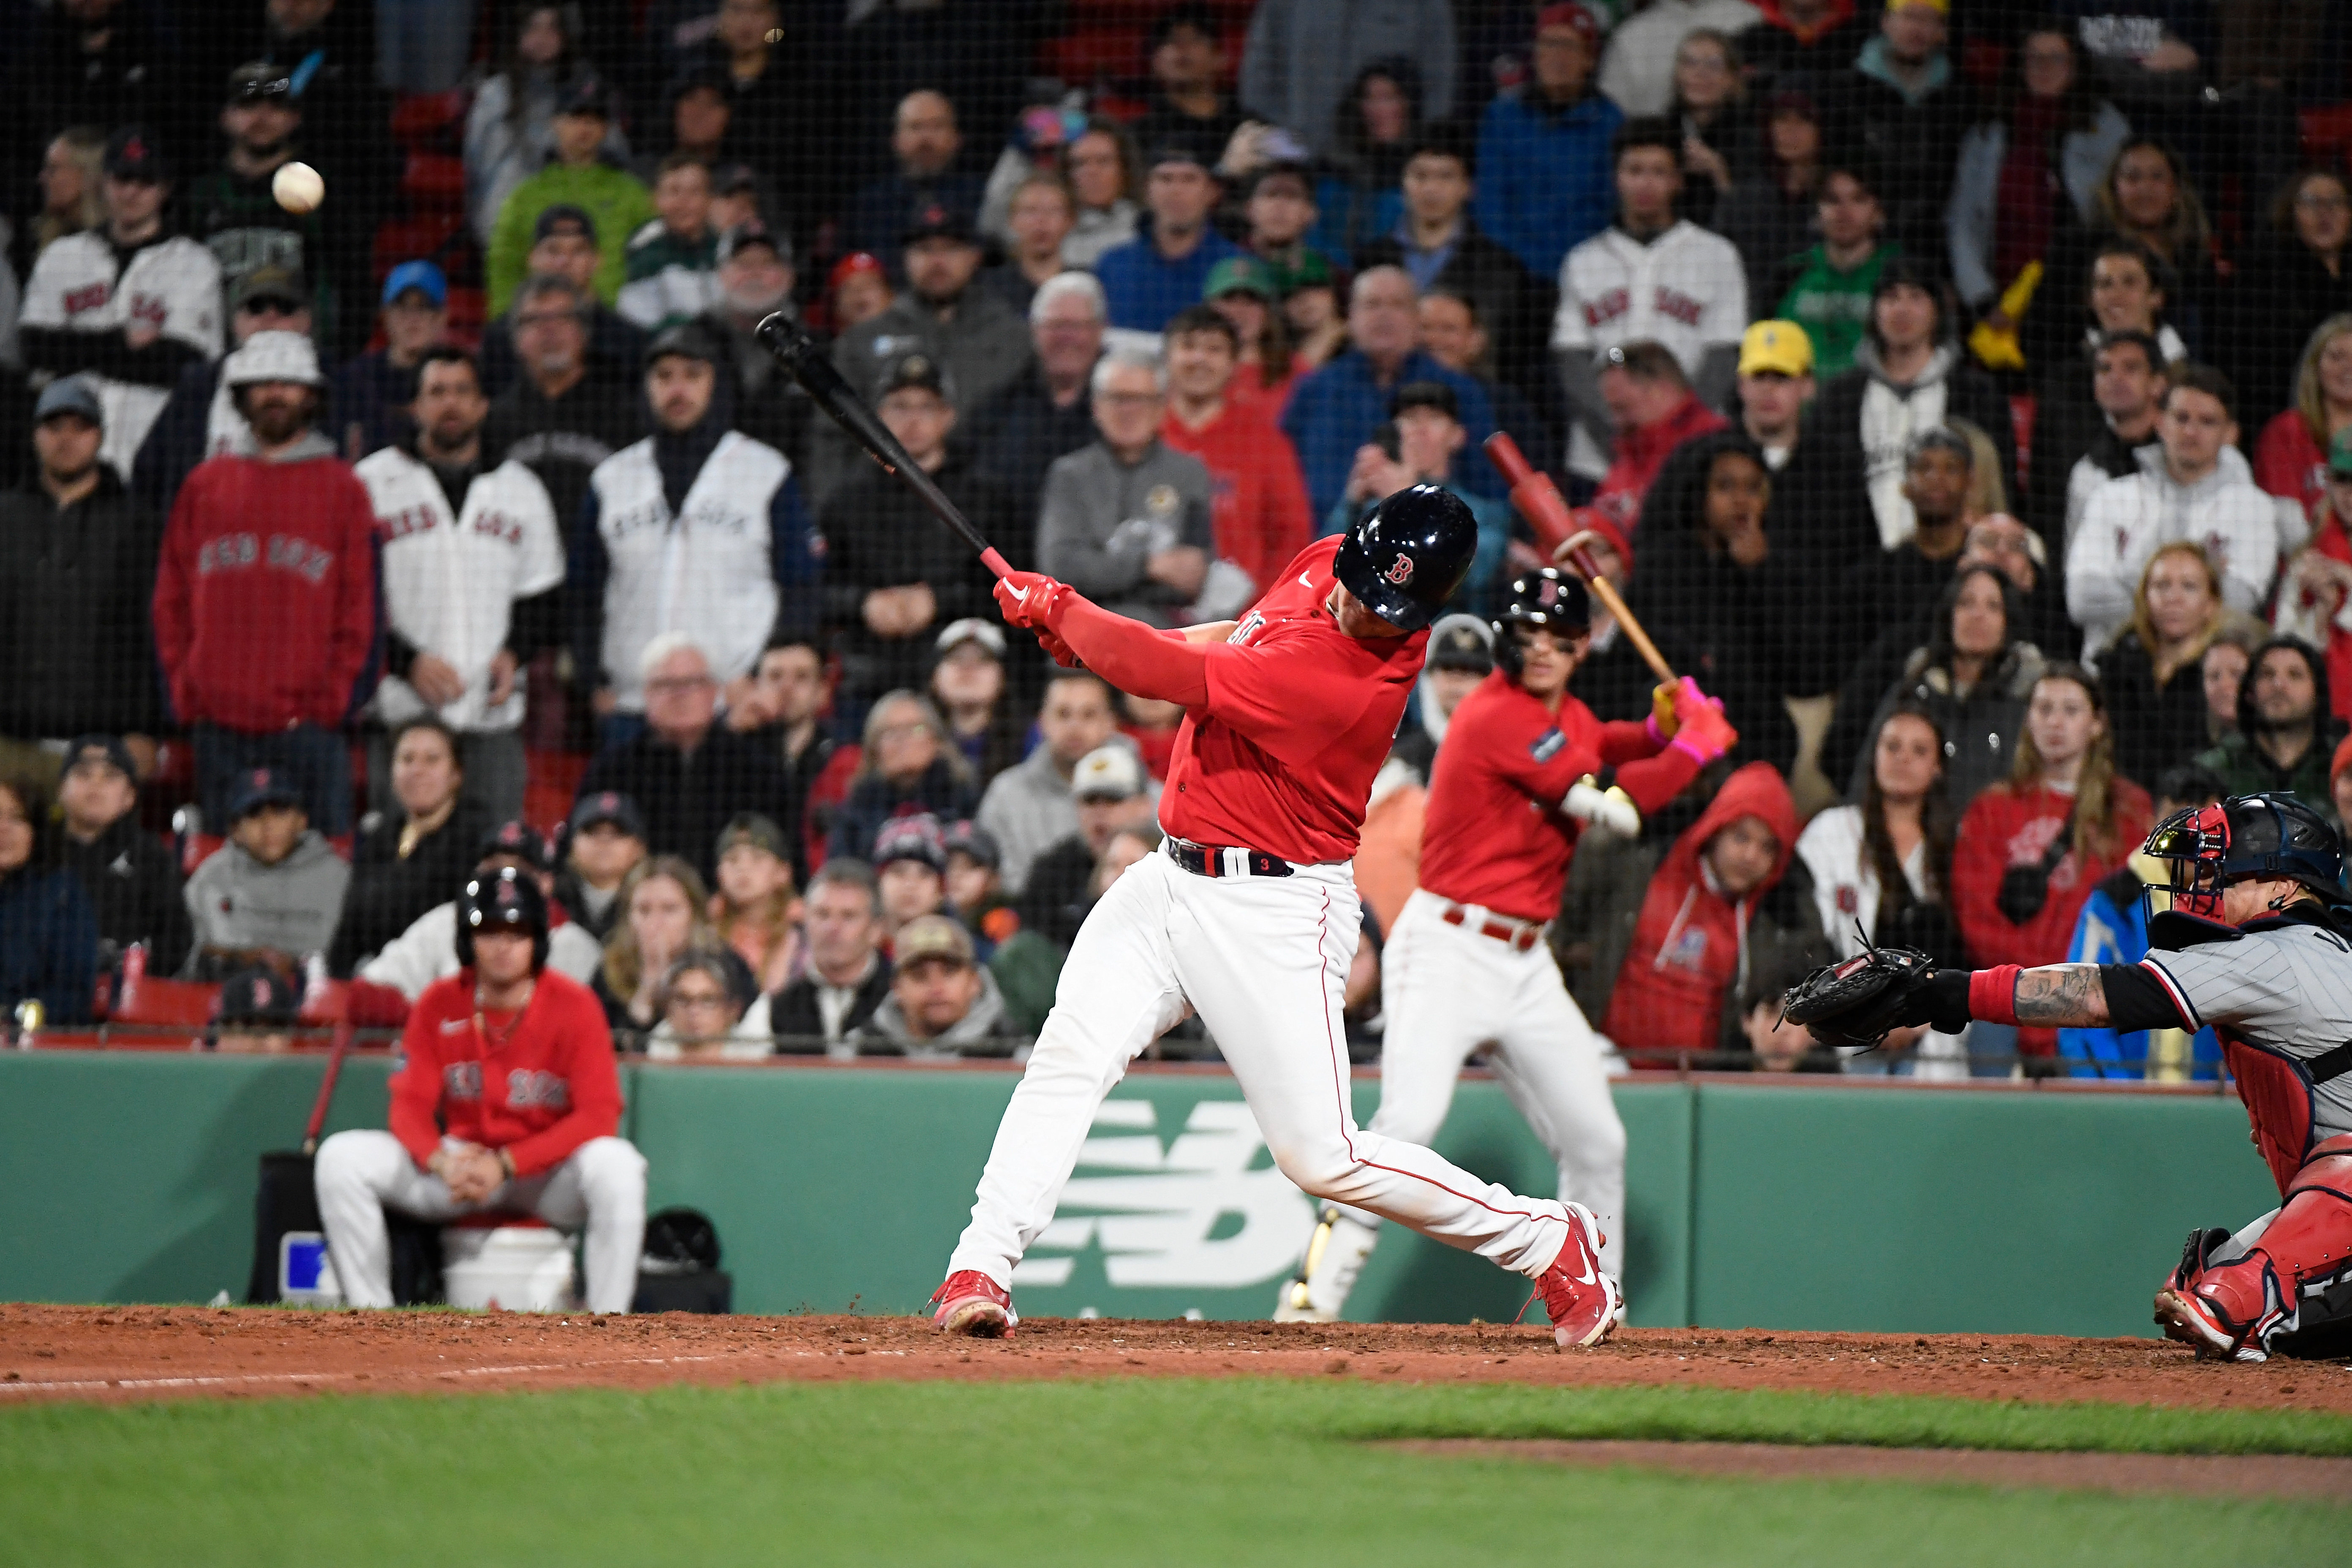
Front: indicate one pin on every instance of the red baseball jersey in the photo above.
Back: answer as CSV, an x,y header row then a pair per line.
x,y
545,1090
1299,718
1496,837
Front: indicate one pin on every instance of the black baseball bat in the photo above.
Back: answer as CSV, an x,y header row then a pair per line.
x,y
799,353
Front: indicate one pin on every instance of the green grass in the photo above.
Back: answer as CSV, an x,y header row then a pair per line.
x,y
1149,1472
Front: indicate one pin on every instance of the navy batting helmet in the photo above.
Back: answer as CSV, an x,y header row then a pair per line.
x,y
507,899
1408,554
1546,598
2208,846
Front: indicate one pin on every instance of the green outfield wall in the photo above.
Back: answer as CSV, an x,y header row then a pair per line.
x,y
837,1189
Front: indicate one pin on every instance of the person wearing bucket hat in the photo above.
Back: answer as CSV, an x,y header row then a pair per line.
x,y
77,315
894,576
263,649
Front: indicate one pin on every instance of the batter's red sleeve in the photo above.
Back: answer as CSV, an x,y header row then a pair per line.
x,y
1653,780
584,1045
1626,740
1132,655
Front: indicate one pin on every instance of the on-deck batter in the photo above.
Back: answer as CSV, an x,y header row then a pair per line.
x,y
1249,916
1523,766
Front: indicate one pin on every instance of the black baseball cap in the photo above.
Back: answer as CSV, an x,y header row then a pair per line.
x,y
257,787
282,284
754,231
969,837
99,748
587,96
1426,395
257,995
564,218
687,338
134,153
520,839
912,373
936,220
607,806
259,81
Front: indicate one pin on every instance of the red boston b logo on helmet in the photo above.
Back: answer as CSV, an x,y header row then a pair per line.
x,y
1400,571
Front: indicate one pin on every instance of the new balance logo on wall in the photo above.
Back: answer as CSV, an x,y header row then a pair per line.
x,y
1194,1214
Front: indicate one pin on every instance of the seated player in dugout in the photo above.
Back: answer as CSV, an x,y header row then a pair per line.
x,y
507,1101
2249,935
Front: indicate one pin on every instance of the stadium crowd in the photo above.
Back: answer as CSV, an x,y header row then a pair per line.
x,y
1961,393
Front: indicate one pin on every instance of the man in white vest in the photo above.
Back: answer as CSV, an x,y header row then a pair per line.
x,y
697,530
473,579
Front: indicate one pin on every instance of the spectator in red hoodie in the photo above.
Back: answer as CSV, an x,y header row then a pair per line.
x,y
1690,952
1651,403
1258,513
265,595
2031,851
507,1100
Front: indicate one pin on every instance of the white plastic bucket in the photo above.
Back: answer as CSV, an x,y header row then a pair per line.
x,y
514,1267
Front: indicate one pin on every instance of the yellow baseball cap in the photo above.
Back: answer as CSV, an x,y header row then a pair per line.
x,y
1776,348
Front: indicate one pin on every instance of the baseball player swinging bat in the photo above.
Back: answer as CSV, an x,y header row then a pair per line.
x,y
801,355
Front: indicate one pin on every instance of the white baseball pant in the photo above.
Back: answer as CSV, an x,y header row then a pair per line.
x,y
601,1189
1263,961
1446,990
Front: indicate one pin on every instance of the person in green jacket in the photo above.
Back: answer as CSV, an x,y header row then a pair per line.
x,y
616,201
2286,727
1827,289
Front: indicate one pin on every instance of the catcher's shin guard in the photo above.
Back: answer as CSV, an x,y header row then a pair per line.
x,y
2292,1290
1334,1256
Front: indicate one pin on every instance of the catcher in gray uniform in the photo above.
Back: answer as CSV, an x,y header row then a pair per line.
x,y
2253,935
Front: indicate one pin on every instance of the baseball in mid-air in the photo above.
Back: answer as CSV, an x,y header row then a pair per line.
x,y
298,187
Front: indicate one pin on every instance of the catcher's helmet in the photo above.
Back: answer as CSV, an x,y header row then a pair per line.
x,y
1546,598
2205,848
506,899
1408,554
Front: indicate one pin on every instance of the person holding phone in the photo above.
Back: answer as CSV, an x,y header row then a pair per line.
x,y
1417,446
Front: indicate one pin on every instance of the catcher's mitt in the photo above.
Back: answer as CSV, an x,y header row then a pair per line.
x,y
1862,1000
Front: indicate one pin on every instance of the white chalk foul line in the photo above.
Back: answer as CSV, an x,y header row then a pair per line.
x,y
63,1385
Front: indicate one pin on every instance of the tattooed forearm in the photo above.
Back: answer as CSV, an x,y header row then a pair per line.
x,y
2062,995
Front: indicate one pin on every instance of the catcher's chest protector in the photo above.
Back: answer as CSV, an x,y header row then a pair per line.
x,y
2276,1092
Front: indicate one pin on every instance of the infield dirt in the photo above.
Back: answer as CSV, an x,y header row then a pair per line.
x,y
146,1352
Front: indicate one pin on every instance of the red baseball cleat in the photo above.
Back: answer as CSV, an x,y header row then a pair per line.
x,y
1583,1302
972,1304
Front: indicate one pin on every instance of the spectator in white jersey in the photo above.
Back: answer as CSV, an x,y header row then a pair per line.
x,y
472,565
130,304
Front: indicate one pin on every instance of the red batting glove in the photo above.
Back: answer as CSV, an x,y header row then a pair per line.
x,y
1027,598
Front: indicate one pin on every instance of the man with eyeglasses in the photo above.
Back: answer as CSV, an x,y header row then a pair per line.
x,y
688,774
563,244
1127,520
131,304
567,412
201,420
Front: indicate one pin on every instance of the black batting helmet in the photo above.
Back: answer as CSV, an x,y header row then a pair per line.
x,y
1546,598
2207,847
1408,554
507,899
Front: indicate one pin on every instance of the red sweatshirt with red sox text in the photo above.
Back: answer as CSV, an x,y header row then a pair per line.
x,y
265,593
547,1090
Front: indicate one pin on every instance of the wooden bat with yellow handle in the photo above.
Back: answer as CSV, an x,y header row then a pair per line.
x,y
1547,510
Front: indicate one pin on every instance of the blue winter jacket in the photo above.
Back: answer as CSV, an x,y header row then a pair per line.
x,y
49,944
1545,181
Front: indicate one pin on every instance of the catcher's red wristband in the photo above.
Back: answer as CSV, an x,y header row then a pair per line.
x,y
1992,994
